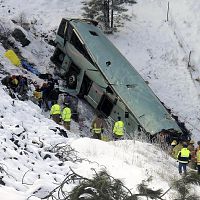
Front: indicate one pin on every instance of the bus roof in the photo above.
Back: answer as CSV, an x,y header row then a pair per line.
x,y
125,80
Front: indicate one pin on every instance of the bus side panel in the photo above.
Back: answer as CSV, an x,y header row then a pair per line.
x,y
94,95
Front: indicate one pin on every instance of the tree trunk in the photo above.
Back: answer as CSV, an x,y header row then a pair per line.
x,y
106,14
111,17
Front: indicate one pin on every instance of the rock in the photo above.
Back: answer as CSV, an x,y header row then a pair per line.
x,y
20,37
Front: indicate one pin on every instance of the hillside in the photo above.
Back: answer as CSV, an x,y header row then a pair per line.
x,y
30,140
30,165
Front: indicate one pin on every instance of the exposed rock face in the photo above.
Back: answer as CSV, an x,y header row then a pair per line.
x,y
20,37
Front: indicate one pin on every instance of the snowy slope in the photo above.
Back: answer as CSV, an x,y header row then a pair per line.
x,y
27,141
149,43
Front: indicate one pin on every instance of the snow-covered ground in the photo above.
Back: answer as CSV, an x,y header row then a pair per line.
x,y
157,48
30,167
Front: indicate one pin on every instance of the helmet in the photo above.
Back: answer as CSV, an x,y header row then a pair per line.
x,y
56,86
185,144
198,142
66,103
36,86
191,141
174,142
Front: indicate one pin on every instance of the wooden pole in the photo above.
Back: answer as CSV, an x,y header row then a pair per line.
x,y
168,11
189,65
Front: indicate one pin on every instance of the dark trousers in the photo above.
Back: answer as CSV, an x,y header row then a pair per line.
x,y
117,137
67,125
198,169
40,103
45,104
182,166
97,136
56,118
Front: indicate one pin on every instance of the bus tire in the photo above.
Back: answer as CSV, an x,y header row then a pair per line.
x,y
72,80
61,57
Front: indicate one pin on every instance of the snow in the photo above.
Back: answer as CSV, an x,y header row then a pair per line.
x,y
157,48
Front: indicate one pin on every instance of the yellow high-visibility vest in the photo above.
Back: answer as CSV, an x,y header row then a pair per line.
x,y
96,130
198,157
55,109
15,81
66,114
183,155
119,128
185,152
37,95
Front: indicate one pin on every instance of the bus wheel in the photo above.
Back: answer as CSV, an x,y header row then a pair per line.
x,y
72,80
61,57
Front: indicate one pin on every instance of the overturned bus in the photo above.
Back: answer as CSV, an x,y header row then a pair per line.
x,y
95,69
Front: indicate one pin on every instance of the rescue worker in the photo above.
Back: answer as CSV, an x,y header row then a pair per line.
x,y
50,82
37,94
74,107
184,158
14,82
173,144
53,95
45,92
191,148
198,157
118,129
6,81
97,127
66,116
55,112
11,83
162,140
176,149
22,87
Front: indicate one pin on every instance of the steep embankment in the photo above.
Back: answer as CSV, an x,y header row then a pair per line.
x,y
27,158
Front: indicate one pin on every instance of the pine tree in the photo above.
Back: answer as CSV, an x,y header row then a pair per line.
x,y
110,13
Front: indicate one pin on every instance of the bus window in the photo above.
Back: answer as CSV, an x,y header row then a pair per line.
x,y
80,47
77,43
105,105
109,90
126,114
58,57
69,32
85,87
62,28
